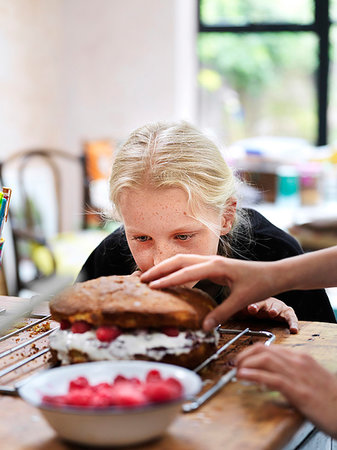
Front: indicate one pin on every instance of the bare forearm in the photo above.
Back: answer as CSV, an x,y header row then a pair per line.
x,y
310,271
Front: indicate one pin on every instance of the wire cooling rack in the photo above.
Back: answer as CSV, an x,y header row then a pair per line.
x,y
25,350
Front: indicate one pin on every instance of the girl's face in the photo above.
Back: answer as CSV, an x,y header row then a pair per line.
x,y
158,224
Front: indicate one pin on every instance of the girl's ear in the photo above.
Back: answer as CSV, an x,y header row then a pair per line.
x,y
228,216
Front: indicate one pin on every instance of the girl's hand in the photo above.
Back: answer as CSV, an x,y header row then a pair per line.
x,y
274,309
305,383
136,273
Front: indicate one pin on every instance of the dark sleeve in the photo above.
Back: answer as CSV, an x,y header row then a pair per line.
x,y
269,243
111,257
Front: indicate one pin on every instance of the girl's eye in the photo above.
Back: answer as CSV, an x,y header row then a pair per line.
x,y
183,237
142,238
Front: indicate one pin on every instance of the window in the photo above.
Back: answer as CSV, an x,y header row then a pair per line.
x,y
332,111
264,68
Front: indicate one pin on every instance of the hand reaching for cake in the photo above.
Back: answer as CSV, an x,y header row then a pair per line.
x,y
246,287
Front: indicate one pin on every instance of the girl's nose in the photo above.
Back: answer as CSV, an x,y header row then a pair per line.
x,y
161,253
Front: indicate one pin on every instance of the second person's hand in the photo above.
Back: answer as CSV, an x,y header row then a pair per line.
x,y
245,289
306,384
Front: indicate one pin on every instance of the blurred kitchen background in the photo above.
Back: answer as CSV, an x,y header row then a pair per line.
x,y
77,76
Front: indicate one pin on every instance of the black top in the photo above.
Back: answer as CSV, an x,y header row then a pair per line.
x,y
266,242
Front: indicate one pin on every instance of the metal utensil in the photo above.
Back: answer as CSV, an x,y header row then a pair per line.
x,y
194,404
25,308
221,350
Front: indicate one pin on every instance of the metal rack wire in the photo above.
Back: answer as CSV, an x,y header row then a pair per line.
x,y
186,407
14,349
195,403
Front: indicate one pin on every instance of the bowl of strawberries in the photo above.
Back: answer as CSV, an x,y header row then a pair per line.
x,y
111,403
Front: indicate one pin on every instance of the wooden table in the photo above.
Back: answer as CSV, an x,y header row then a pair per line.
x,y
238,417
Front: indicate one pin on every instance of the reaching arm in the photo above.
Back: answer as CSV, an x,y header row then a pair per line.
x,y
248,281
309,271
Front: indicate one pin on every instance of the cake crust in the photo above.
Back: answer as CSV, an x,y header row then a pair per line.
x,y
126,302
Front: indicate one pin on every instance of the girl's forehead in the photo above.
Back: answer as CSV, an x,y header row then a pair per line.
x,y
161,207
148,203
150,196
175,198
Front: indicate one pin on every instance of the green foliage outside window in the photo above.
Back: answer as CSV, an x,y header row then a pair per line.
x,y
267,73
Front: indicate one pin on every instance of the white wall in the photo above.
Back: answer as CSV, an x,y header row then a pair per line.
x,y
121,64
76,69
30,74
83,69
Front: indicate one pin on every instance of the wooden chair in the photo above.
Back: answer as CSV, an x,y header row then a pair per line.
x,y
46,243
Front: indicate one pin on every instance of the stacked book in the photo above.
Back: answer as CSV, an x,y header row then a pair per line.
x,y
5,196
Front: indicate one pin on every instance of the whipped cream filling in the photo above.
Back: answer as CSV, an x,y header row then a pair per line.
x,y
155,345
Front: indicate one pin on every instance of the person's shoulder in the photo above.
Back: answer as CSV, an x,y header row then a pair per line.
x,y
116,237
111,257
108,248
257,220
261,225
269,236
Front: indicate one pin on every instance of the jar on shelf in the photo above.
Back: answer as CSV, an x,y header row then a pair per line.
x,y
310,183
288,186
329,182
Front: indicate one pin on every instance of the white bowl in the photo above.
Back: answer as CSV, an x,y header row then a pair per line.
x,y
109,426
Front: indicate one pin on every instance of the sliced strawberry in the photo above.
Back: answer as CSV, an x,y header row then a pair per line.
x,y
101,386
107,334
160,391
127,394
80,326
102,398
79,397
176,385
119,378
170,331
78,383
153,375
65,324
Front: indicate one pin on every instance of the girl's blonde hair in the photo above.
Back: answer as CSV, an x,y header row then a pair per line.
x,y
164,154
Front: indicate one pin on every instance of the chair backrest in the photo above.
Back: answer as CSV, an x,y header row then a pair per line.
x,y
50,195
43,181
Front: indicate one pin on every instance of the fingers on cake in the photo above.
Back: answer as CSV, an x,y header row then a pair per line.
x,y
121,318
